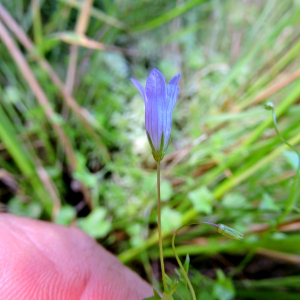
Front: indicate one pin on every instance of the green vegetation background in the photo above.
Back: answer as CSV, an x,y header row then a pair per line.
x,y
73,148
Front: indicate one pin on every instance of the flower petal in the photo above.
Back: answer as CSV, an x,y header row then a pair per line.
x,y
172,95
142,91
156,97
175,79
140,88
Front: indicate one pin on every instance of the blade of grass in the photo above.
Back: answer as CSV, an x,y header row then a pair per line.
x,y
37,24
168,16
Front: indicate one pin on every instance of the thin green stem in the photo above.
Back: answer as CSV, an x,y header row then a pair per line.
x,y
163,273
187,291
293,193
180,264
222,229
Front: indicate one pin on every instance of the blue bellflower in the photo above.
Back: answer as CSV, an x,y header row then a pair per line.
x,y
160,100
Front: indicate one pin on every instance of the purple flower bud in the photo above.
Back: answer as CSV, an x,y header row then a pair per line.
x,y
159,104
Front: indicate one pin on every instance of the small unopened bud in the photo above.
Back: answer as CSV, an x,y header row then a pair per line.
x,y
269,105
230,232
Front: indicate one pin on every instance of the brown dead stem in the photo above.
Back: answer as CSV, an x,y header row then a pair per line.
x,y
82,23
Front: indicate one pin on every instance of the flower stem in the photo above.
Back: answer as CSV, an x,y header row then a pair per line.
x,y
180,264
163,274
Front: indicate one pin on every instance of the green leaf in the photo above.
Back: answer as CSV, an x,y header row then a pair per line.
x,y
169,281
292,158
166,190
234,200
172,285
202,199
186,264
66,215
18,207
167,296
267,203
186,268
95,223
154,297
223,289
171,219
135,231
57,119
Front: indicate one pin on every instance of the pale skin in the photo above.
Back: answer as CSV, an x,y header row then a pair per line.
x,y
44,261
